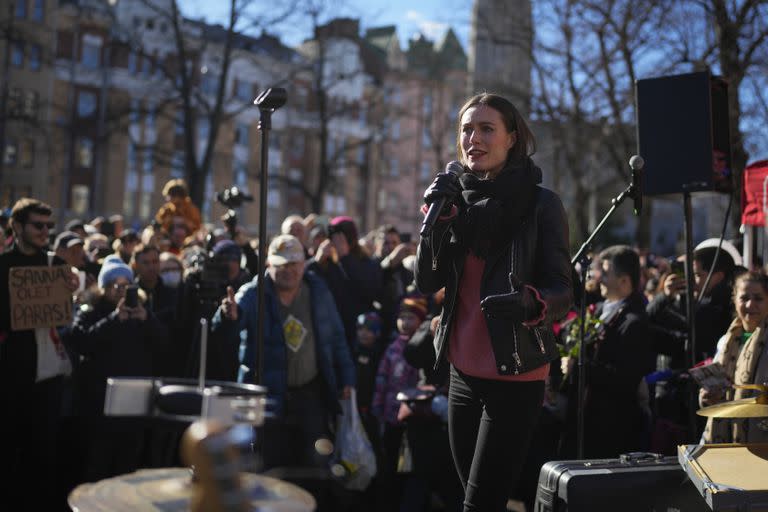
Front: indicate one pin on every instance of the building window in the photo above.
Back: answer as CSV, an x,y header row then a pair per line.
x,y
80,198
244,91
342,145
208,193
335,203
146,65
208,83
159,70
148,156
129,200
426,138
38,10
26,153
241,175
274,141
395,130
149,119
134,115
86,103
91,56
273,197
361,154
297,146
15,102
178,121
84,152
394,168
21,9
11,152
427,105
34,57
241,134
17,55
177,164
145,203
131,183
362,115
132,61
426,171
203,128
31,102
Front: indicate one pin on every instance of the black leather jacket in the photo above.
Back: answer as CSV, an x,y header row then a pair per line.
x,y
538,256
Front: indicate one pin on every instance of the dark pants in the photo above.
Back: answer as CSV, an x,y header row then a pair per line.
x,y
290,440
288,445
490,425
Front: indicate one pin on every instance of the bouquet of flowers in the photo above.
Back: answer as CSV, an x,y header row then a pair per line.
x,y
592,329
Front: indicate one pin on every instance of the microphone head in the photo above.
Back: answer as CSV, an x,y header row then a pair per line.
x,y
636,163
454,168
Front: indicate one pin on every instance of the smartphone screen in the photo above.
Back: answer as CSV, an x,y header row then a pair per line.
x,y
678,268
132,296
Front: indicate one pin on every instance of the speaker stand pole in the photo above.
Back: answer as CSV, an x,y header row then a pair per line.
x,y
583,259
690,308
690,305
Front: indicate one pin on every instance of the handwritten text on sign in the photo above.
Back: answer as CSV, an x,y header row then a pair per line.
x,y
40,297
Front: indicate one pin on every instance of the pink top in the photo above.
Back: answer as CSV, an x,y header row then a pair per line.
x,y
469,347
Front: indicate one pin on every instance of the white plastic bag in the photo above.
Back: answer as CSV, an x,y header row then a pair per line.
x,y
353,448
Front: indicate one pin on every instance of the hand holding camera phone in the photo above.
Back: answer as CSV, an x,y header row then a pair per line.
x,y
132,296
675,281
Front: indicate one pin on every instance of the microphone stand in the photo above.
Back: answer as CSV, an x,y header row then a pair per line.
x,y
582,258
268,101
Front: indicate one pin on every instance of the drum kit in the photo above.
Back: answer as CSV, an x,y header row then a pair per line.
x,y
731,476
215,447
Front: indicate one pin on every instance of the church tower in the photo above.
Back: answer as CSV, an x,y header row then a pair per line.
x,y
500,53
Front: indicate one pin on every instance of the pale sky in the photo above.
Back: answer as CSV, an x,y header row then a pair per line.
x,y
430,17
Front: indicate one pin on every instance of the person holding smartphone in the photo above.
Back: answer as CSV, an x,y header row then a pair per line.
x,y
115,336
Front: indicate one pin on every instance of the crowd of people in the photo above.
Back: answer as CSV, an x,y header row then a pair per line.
x,y
461,349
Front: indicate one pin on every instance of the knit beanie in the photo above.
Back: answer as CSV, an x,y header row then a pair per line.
x,y
416,304
345,225
112,268
370,321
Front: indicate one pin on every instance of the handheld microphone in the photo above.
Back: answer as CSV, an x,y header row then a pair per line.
x,y
637,163
435,208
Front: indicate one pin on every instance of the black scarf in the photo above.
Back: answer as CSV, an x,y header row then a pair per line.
x,y
494,209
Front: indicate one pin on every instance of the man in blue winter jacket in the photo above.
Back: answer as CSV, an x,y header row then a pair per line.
x,y
307,364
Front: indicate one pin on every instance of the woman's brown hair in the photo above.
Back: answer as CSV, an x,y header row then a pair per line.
x,y
750,277
514,122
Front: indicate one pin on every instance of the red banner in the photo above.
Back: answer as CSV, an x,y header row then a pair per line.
x,y
754,198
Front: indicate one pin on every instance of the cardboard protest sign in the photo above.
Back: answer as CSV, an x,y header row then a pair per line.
x,y
39,297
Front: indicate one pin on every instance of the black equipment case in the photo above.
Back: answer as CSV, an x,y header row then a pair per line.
x,y
645,482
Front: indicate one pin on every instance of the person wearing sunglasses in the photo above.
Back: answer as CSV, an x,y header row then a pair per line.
x,y
33,369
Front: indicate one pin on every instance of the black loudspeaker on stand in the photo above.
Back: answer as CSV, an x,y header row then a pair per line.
x,y
683,134
684,146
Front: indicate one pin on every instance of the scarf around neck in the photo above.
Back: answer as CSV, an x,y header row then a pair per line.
x,y
740,362
494,209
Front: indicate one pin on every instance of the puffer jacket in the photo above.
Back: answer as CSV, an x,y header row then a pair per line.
x,y
334,361
537,255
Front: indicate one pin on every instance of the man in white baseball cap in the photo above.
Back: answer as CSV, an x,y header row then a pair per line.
x,y
307,364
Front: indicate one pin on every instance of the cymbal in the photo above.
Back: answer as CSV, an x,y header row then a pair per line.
x,y
171,489
755,407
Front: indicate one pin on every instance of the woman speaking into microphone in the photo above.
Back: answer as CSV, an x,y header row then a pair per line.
x,y
500,248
